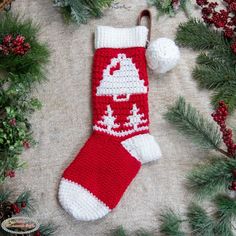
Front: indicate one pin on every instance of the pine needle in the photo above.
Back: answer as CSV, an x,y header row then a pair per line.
x,y
211,178
81,11
196,35
119,232
191,123
215,68
226,213
171,224
201,224
226,93
48,229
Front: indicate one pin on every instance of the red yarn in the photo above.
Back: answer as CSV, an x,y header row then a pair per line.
x,y
120,110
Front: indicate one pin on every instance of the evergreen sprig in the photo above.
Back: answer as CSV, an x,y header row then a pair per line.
x,y
211,177
218,222
199,221
4,195
28,200
196,35
81,11
225,214
27,69
120,231
171,224
18,76
215,68
167,6
48,229
191,123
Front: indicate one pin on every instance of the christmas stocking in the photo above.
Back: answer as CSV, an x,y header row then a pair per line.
x,y
95,181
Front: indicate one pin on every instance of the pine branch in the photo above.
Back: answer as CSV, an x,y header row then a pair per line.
x,y
143,233
191,123
226,213
166,7
119,232
171,224
216,77
81,11
48,229
201,224
218,74
227,94
216,67
211,178
196,35
28,200
4,195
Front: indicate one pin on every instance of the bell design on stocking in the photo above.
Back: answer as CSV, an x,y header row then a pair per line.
x,y
121,79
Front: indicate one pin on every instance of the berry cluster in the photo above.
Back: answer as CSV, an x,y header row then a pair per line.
x,y
232,187
175,4
224,18
10,173
17,207
14,45
37,233
219,117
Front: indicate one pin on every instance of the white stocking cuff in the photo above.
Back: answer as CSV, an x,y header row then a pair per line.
x,y
109,37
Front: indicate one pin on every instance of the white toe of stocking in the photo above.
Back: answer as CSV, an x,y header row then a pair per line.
x,y
79,202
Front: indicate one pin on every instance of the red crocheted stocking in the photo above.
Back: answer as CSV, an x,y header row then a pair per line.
x,y
95,181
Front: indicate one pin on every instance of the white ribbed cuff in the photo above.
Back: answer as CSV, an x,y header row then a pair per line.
x,y
109,37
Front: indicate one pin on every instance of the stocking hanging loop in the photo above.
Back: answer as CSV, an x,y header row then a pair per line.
x,y
146,13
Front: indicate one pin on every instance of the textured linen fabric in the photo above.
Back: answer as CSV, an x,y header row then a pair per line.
x,y
64,123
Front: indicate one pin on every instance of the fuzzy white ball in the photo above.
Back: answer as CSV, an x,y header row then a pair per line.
x,y
162,55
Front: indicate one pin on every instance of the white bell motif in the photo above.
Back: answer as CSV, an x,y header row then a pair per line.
x,y
121,79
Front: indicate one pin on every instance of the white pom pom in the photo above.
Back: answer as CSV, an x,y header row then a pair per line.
x,y
162,55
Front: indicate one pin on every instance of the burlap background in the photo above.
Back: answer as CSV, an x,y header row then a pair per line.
x,y
64,123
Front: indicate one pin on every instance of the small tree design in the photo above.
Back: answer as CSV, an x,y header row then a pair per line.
x,y
108,120
135,118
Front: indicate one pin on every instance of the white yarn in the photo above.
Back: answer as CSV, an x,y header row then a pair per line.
x,y
162,55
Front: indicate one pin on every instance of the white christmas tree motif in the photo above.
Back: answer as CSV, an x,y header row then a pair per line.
x,y
109,120
121,79
135,118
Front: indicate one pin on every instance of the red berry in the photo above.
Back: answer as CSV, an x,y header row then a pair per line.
x,y
232,188
7,39
201,2
233,47
234,173
26,144
10,173
15,208
234,183
23,204
12,122
37,233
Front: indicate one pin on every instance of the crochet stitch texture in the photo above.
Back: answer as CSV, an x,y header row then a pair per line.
x,y
93,184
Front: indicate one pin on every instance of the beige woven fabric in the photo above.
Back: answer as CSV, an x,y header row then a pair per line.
x,y
64,123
